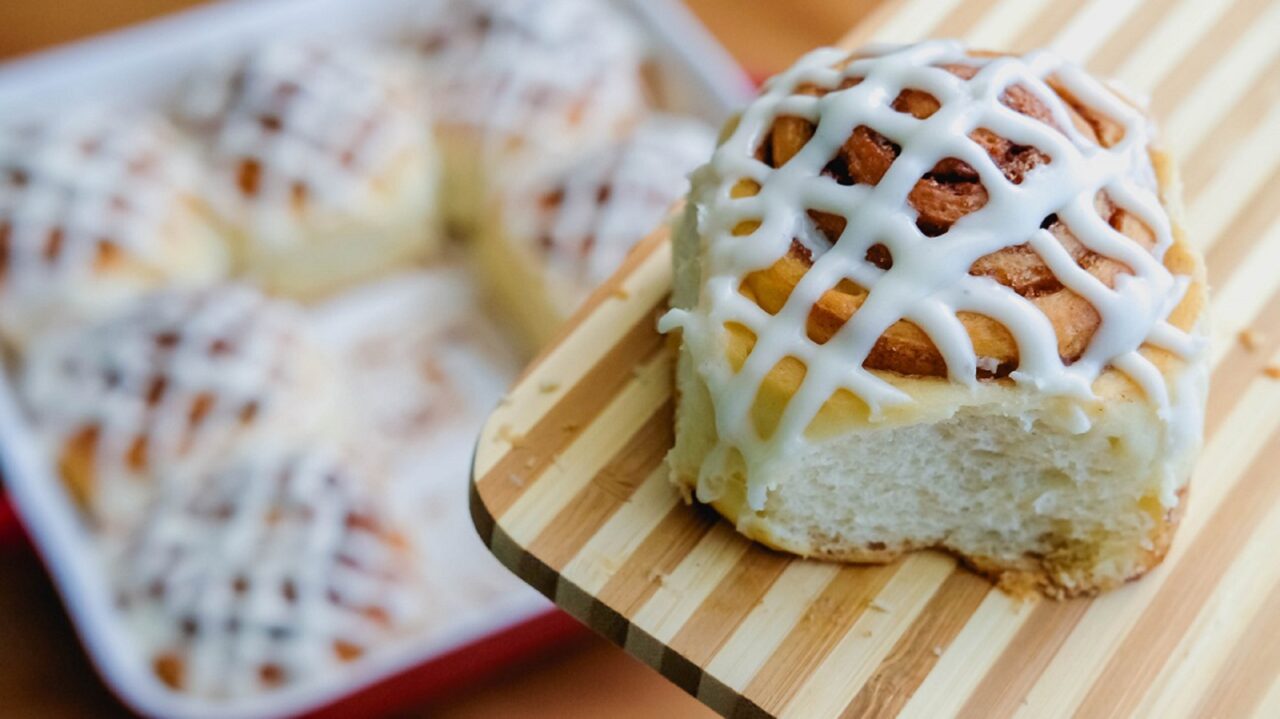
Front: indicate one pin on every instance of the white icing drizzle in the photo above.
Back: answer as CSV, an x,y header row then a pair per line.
x,y
929,281
280,567
333,131
548,76
96,207
582,221
175,380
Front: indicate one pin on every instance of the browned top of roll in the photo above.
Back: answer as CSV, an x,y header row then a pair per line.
x,y
946,193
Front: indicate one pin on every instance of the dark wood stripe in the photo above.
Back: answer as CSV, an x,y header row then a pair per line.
x,y
1045,26
827,620
658,555
1108,57
1234,126
1201,58
1023,661
1241,366
1149,643
531,454
1246,676
918,650
729,604
611,488
1241,234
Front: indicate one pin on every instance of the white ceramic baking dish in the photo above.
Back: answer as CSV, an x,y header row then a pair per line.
x,y
142,65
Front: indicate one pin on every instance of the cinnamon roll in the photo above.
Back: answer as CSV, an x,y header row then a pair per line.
x,y
97,207
280,567
323,170
565,232
170,385
522,85
931,297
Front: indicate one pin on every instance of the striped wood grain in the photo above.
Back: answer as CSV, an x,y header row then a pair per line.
x,y
569,489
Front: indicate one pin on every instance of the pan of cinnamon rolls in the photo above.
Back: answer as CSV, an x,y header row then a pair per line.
x,y
257,294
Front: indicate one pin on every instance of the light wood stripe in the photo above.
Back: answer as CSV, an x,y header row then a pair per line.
x,y
622,534
729,605
530,454
570,471
1042,29
1159,49
1197,60
1244,680
825,620
962,18
1080,660
1244,173
1090,27
1234,131
1230,77
970,657
1037,642
683,590
998,28
546,381
753,632
582,518
1240,300
920,648
1140,25
1217,629
855,655
760,635
914,20
1132,666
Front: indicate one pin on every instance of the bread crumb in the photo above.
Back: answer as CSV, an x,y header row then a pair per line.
x,y
937,651
515,479
548,386
620,293
866,633
1252,339
878,607
1272,371
509,435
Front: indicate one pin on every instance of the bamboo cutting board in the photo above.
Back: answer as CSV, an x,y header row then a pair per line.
x,y
570,492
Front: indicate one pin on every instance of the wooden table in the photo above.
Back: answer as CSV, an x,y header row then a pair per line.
x,y
42,669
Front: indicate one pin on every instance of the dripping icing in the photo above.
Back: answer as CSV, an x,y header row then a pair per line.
x,y
929,282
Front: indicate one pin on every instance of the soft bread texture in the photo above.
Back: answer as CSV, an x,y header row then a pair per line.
x,y
1003,477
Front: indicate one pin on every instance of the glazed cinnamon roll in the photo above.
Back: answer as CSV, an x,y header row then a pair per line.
x,y
280,567
170,385
565,232
521,86
97,207
933,297
323,171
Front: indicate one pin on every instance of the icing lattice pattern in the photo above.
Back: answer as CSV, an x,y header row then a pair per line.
x,y
275,569
583,221
296,128
749,214
168,386
550,73
92,202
